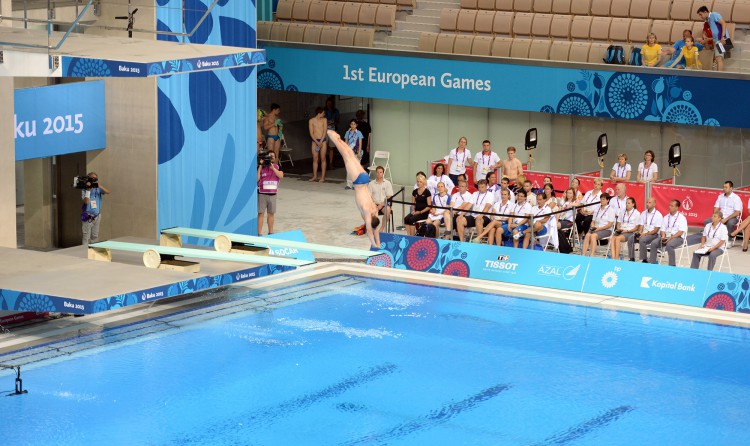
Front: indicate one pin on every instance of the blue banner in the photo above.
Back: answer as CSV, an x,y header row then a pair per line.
x,y
657,95
59,119
657,283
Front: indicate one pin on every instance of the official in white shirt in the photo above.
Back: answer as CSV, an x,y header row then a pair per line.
x,y
483,201
458,159
628,223
461,202
620,200
651,221
648,171
523,210
729,204
586,214
621,171
673,230
714,237
485,162
601,226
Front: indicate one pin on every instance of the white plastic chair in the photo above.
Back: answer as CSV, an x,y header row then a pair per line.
x,y
384,157
725,256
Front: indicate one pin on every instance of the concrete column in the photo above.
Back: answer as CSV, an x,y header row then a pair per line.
x,y
7,162
38,212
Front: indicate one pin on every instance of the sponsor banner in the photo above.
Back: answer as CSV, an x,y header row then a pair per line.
x,y
17,318
633,189
697,202
295,236
745,188
669,180
603,92
85,67
59,119
657,283
559,181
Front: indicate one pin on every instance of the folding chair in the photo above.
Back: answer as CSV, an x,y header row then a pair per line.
x,y
684,253
285,150
608,239
725,256
381,155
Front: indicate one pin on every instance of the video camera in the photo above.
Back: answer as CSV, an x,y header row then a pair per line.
x,y
79,182
264,157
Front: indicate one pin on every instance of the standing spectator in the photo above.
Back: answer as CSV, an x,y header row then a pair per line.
x,y
381,191
439,176
332,118
364,127
688,57
272,126
651,51
674,51
712,241
269,175
621,171
512,167
485,162
353,138
627,227
92,208
440,212
601,225
674,229
586,214
317,127
259,130
648,171
651,221
719,32
458,159
420,204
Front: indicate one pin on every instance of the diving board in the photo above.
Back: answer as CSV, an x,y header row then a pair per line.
x,y
157,256
224,241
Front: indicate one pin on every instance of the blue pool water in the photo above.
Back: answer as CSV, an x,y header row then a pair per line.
x,y
372,362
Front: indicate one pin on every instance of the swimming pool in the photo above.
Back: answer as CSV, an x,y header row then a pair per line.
x,y
369,362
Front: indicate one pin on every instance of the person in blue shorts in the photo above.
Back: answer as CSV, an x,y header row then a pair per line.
x,y
360,181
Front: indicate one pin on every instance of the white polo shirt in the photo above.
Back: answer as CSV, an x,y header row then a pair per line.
x,y
651,220
619,205
380,191
715,235
458,199
485,164
589,198
603,215
481,200
459,161
433,181
621,171
728,205
500,208
630,220
523,211
647,173
671,224
499,195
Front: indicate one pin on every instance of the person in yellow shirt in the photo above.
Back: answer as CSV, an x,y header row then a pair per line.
x,y
651,51
690,54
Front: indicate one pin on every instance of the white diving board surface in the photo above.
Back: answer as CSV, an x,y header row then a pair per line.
x,y
267,242
198,253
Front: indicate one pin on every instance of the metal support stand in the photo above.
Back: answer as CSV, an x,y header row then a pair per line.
x,y
19,382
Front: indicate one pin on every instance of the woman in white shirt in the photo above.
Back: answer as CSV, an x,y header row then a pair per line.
x,y
566,219
549,194
586,214
712,242
498,225
575,184
438,175
626,229
601,225
439,215
648,171
621,171
458,160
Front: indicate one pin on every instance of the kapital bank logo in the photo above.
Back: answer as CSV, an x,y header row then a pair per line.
x,y
650,282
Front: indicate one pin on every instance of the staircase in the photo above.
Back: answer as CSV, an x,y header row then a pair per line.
x,y
425,18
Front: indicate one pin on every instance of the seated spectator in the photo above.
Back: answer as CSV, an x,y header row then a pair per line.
x,y
541,217
651,51
689,56
522,210
575,184
381,191
651,221
420,173
438,175
569,201
621,171
420,204
483,201
530,194
440,212
730,205
673,230
461,177
498,225
586,214
742,227
458,159
504,185
492,185
619,201
648,171
518,185
712,242
629,224
485,162
601,226
549,195
461,202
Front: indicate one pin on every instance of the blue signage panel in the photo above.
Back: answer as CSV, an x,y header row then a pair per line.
x,y
59,119
649,96
658,283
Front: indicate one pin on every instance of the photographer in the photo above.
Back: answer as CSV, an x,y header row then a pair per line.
x,y
91,209
269,174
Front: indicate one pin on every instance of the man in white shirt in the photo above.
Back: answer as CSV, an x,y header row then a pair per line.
x,y
729,204
485,162
651,221
714,237
504,186
673,230
381,191
483,201
530,195
619,201
461,202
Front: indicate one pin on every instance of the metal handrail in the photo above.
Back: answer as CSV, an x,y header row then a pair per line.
x,y
77,20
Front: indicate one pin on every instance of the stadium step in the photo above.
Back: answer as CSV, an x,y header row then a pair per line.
x,y
419,27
